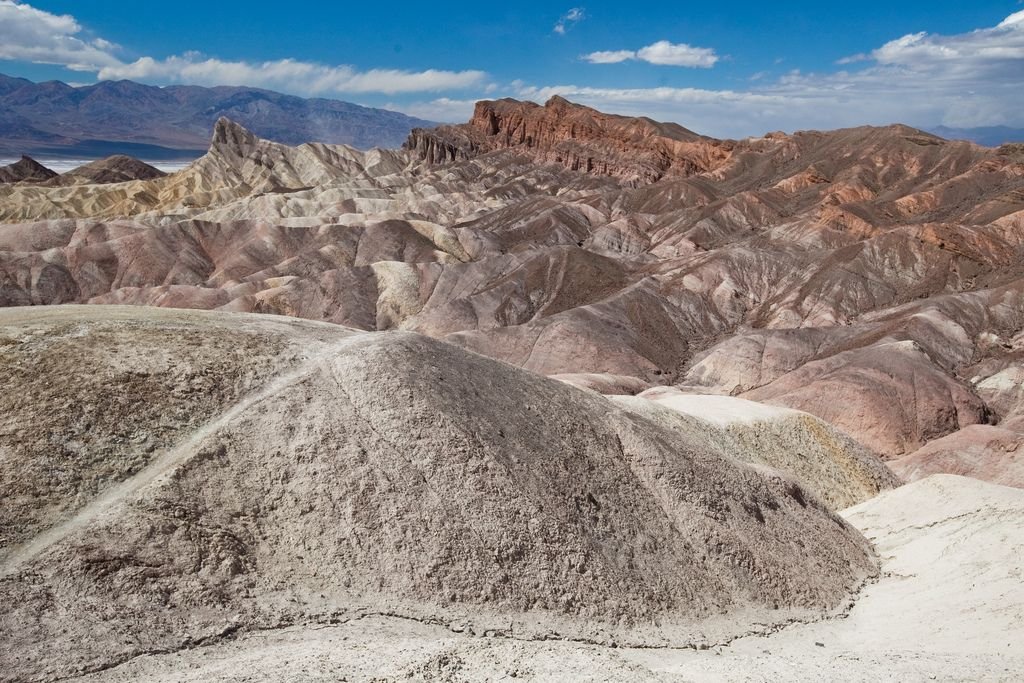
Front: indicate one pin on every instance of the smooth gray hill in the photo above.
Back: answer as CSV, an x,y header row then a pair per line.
x,y
381,473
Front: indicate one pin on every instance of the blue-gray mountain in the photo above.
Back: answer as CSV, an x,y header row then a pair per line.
x,y
990,136
123,117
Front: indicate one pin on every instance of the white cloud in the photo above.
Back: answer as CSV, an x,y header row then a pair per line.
x,y
610,56
990,53
32,35
1014,19
662,53
853,59
291,75
669,54
570,18
443,109
965,80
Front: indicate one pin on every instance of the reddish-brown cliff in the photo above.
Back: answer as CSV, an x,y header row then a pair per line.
x,y
637,150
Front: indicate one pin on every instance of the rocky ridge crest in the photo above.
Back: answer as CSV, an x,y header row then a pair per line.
x,y
635,150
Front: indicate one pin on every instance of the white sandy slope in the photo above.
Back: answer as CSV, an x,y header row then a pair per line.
x,y
830,464
950,607
720,410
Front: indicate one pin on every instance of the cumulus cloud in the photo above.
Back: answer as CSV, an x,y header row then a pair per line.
x,y
963,80
610,56
32,35
662,53
289,74
670,54
569,19
989,52
443,109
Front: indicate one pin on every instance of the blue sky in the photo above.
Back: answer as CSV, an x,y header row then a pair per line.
x,y
725,68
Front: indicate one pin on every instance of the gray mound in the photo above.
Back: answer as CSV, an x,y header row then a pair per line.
x,y
953,552
94,397
392,474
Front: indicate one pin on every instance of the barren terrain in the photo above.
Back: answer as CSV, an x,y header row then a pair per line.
x,y
947,607
550,391
382,473
877,266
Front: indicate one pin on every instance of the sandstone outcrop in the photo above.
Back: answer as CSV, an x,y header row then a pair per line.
x,y
636,150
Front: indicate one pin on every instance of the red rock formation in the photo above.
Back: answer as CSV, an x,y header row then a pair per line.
x,y
637,150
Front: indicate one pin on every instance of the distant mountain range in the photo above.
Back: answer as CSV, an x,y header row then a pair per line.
x,y
123,117
990,136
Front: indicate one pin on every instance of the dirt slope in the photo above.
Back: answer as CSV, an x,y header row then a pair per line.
x,y
947,608
831,465
379,473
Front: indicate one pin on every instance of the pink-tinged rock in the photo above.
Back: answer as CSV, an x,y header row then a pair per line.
x,y
984,452
889,396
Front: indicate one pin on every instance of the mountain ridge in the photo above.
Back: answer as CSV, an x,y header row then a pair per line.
x,y
634,149
120,116
25,169
989,136
637,149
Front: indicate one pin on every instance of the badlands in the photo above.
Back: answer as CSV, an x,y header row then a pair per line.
x,y
550,395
